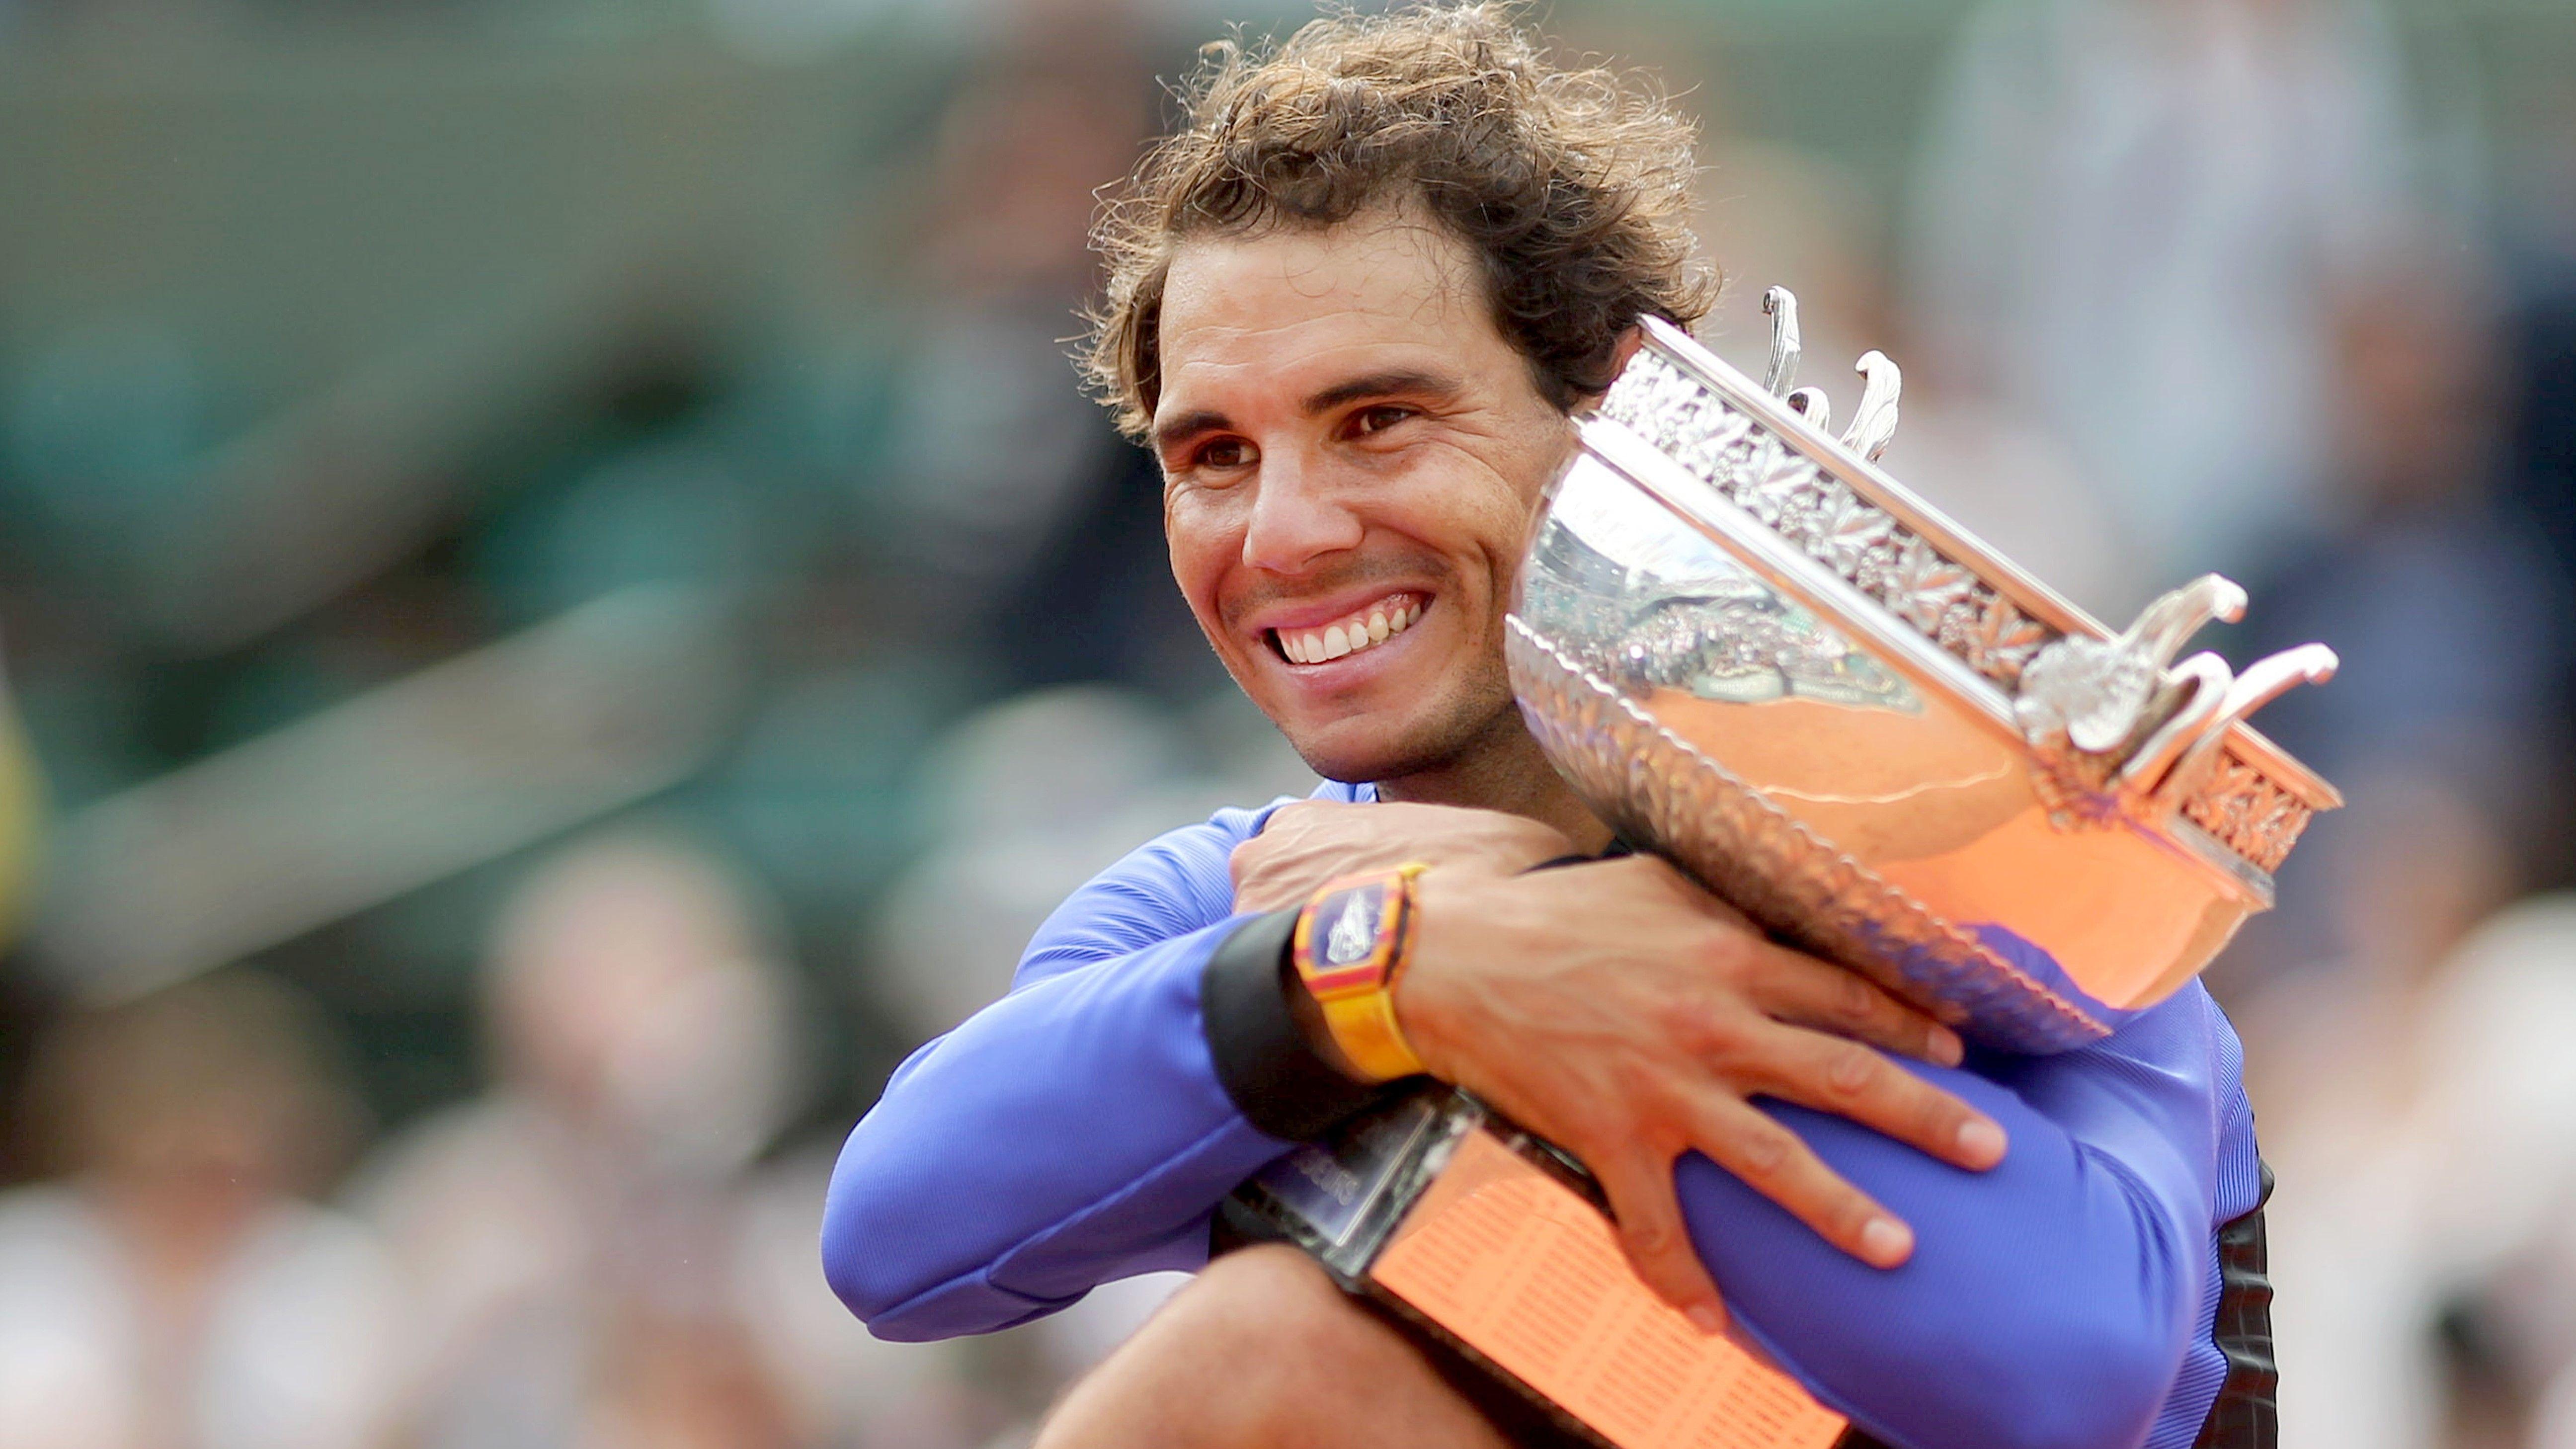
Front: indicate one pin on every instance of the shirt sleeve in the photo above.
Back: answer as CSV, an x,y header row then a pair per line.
x,y
2050,1300
1082,1128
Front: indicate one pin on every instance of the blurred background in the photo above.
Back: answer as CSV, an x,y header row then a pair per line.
x,y
562,610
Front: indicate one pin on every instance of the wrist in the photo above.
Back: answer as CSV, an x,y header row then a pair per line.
x,y
1308,1013
1269,1063
1447,904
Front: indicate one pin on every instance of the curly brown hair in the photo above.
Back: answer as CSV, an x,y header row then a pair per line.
x,y
1572,186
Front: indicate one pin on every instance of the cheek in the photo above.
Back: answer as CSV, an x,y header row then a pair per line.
x,y
1513,506
1480,528
1204,544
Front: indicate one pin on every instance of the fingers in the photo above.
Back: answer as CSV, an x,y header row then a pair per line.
x,y
1649,1218
1775,1163
1800,989
1307,843
1850,1080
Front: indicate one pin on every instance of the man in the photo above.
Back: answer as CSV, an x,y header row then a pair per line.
x,y
1352,305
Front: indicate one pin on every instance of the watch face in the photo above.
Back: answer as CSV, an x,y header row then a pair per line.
x,y
1354,933
1356,924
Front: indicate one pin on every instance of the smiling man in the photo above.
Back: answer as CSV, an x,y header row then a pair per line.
x,y
1353,304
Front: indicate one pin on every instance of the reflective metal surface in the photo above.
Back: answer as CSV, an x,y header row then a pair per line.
x,y
1752,651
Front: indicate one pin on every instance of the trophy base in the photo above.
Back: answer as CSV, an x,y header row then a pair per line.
x,y
1494,1243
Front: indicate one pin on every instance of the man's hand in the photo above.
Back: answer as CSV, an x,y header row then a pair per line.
x,y
1625,1014
1311,842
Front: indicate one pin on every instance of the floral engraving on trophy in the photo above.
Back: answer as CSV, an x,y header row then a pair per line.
x,y
1924,587
1852,537
1767,477
2254,817
2001,641
1770,481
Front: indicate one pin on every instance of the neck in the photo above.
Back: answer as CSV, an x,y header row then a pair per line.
x,y
1504,770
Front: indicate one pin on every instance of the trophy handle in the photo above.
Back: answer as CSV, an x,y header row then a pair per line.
x,y
2153,764
2100,691
2262,682
2174,757
1873,421
1873,424
1781,306
2164,625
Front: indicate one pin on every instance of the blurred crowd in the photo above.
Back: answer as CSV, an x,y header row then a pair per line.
x,y
501,757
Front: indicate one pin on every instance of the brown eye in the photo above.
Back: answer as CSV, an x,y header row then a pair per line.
x,y
1379,419
1225,453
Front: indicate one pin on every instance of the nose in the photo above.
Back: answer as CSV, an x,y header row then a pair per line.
x,y
1296,519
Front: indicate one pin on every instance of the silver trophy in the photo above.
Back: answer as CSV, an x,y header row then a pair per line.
x,y
1753,652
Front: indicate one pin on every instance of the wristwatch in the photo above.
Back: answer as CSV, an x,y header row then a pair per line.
x,y
1350,945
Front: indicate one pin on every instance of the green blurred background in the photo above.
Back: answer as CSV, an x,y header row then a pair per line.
x,y
436,432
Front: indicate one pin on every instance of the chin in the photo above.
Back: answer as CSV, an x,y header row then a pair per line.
x,y
1346,767
1360,752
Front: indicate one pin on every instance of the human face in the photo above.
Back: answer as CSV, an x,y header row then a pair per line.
x,y
1350,453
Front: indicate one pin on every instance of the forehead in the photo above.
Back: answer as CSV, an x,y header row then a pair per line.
x,y
1285,312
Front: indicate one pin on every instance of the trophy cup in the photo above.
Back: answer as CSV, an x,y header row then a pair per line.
x,y
1751,651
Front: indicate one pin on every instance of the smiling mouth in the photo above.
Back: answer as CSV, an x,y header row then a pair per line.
x,y
1360,629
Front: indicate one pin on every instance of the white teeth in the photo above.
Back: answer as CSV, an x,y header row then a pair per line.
x,y
1349,636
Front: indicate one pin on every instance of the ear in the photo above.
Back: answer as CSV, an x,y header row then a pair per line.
x,y
1629,341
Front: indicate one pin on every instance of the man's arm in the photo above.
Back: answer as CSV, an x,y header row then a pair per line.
x,y
1074,1132
2049,1300
1148,1058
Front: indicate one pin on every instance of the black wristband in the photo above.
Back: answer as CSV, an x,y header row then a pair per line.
x,y
1275,1076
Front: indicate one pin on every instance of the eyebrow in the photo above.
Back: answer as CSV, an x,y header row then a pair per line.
x,y
1180,429
1393,382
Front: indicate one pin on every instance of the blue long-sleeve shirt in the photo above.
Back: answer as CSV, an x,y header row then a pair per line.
x,y
1077,1131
